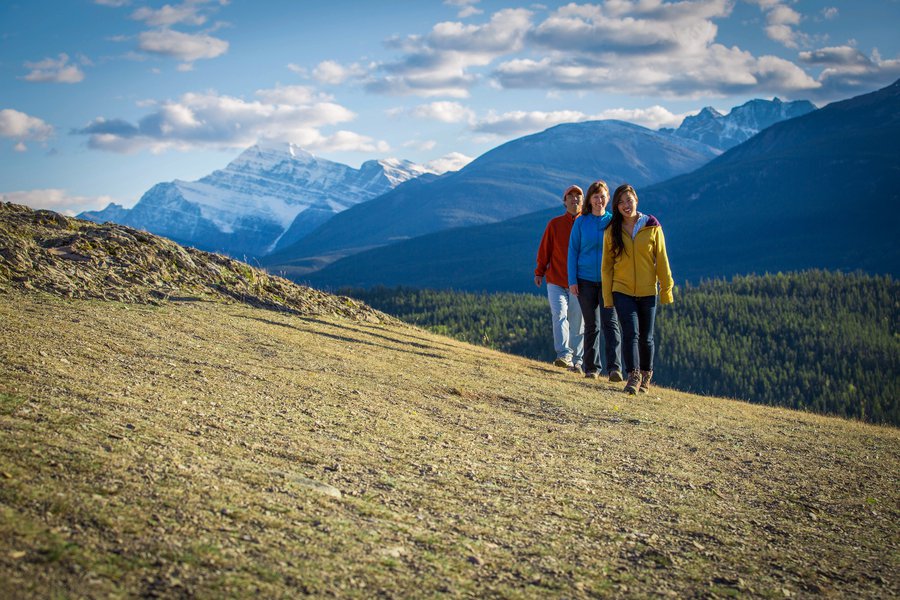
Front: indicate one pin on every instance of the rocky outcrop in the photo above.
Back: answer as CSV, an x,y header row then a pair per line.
x,y
74,258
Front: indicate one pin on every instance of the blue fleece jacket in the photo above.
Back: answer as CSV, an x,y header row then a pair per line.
x,y
586,247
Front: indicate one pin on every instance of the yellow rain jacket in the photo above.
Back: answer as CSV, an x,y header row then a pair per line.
x,y
640,267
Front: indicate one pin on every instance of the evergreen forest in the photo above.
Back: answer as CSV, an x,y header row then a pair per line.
x,y
826,342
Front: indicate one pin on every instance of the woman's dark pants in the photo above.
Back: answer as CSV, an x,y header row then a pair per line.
x,y
637,315
590,298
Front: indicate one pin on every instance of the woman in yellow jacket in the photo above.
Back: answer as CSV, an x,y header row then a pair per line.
x,y
634,263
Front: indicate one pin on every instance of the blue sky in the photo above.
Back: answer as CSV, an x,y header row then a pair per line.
x,y
101,99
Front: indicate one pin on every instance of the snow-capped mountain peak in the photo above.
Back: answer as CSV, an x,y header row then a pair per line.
x,y
271,194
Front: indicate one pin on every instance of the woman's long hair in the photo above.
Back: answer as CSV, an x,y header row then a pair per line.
x,y
615,225
593,189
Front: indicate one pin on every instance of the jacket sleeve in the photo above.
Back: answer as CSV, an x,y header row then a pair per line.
x,y
606,269
543,255
574,248
663,272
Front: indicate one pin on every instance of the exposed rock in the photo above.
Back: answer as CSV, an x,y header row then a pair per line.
x,y
73,258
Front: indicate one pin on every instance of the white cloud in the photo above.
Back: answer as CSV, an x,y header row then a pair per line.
x,y
653,117
333,73
207,120
56,200
516,123
453,161
183,46
23,127
648,48
295,68
440,63
113,3
466,7
55,71
830,13
168,15
846,71
444,111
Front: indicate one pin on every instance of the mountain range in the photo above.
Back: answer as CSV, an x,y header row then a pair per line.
x,y
267,198
519,177
741,123
783,200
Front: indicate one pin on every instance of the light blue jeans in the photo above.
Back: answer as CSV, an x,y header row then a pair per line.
x,y
568,326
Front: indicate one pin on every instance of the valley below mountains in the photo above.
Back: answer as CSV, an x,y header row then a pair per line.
x,y
203,442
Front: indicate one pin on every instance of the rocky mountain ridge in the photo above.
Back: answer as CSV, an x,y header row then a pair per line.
x,y
74,258
269,196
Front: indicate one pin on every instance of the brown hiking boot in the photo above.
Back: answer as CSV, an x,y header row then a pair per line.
x,y
634,380
645,381
615,376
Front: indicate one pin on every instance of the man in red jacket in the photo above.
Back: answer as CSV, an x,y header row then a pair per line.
x,y
552,257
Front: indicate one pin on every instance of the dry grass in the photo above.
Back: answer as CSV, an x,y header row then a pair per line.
x,y
167,451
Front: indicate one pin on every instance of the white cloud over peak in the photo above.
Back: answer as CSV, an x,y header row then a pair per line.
x,y
22,127
519,122
444,111
846,71
208,120
56,199
453,161
54,71
183,46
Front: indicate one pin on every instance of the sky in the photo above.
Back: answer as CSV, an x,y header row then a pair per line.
x,y
102,99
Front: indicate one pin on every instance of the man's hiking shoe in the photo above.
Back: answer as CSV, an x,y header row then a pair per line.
x,y
615,376
634,380
645,381
561,362
592,375
577,369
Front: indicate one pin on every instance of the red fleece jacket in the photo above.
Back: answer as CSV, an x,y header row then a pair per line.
x,y
553,254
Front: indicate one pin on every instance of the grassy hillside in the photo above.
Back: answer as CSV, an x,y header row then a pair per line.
x,y
175,424
201,449
820,341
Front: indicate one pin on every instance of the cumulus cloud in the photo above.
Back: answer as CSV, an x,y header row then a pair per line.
x,y
57,200
444,111
520,122
113,3
648,48
183,46
291,113
440,63
846,71
453,161
54,70
22,127
830,13
466,7
653,117
333,73
187,13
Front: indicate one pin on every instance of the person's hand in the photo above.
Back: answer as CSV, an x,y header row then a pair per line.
x,y
573,289
537,280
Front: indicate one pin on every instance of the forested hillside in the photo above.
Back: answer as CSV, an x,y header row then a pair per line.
x,y
819,341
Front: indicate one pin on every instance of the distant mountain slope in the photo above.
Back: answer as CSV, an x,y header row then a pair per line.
x,y
741,123
783,200
519,177
269,196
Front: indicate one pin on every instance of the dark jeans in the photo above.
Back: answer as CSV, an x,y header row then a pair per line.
x,y
637,314
590,298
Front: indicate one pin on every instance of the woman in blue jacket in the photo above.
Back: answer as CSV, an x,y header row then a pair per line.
x,y
585,258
